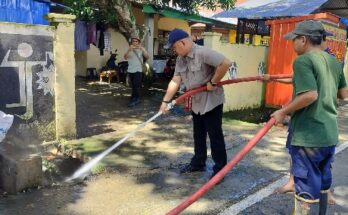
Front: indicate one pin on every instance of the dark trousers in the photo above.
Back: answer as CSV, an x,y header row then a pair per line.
x,y
311,167
135,79
209,123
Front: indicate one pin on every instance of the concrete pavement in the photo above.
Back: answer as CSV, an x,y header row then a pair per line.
x,y
142,175
266,202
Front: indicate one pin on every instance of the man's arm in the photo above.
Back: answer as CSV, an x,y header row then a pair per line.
x,y
126,55
145,54
220,72
301,101
267,77
173,87
284,81
342,93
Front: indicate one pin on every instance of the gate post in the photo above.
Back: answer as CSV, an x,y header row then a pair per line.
x,y
64,60
212,40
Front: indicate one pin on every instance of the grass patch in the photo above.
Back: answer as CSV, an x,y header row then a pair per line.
x,y
98,169
252,115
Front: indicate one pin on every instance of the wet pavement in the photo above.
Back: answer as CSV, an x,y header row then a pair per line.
x,y
142,175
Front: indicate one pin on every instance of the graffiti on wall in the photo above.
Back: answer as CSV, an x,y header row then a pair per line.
x,y
26,65
27,75
337,43
261,69
232,71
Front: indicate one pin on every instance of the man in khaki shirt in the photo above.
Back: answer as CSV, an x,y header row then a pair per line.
x,y
197,66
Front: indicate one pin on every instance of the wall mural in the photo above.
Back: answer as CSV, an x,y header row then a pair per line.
x,y
261,69
27,78
232,71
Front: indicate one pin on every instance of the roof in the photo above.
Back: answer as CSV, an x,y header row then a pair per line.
x,y
273,8
192,18
338,7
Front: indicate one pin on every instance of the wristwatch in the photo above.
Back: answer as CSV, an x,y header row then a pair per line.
x,y
213,84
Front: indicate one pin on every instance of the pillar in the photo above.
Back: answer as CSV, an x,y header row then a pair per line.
x,y
149,23
65,74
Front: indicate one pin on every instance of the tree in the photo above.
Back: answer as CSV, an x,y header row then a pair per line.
x,y
118,13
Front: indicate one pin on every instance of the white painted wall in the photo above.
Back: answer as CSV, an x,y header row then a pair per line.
x,y
247,58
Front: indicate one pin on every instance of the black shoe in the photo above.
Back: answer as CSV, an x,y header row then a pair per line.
x,y
131,104
190,168
137,101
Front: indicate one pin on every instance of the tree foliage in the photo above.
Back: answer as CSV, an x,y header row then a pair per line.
x,y
118,13
193,5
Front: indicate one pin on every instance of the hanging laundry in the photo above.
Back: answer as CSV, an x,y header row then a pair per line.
x,y
107,41
100,38
81,43
92,33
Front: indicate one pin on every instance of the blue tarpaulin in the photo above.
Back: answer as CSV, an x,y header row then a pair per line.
x,y
344,21
272,8
23,11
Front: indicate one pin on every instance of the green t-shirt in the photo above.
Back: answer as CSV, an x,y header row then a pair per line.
x,y
316,124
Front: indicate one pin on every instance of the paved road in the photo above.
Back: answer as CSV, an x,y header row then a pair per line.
x,y
282,203
143,174
264,203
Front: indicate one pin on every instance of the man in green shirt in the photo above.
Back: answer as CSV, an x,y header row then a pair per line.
x,y
318,80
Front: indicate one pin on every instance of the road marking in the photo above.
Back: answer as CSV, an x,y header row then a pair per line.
x,y
265,192
341,147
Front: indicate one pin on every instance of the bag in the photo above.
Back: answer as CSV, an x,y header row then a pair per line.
x,y
145,68
6,121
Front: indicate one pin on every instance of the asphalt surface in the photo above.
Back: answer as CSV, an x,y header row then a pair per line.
x,y
142,175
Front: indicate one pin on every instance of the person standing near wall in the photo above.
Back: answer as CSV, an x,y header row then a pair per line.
x,y
290,185
135,56
318,81
197,66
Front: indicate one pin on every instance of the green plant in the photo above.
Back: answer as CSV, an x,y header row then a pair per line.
x,y
119,15
98,169
48,166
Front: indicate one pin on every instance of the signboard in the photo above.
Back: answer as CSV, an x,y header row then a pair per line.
x,y
336,43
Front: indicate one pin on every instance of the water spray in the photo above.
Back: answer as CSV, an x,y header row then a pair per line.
x,y
83,171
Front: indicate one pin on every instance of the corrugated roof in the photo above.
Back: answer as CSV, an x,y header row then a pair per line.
x,y
273,8
338,7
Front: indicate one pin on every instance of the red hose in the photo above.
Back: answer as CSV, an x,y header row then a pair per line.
x,y
238,157
237,80
221,174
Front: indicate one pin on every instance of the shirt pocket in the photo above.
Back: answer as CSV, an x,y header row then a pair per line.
x,y
184,78
196,66
196,74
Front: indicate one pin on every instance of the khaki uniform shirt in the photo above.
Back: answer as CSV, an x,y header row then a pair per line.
x,y
196,69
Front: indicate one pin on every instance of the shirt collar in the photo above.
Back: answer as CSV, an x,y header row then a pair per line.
x,y
191,52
